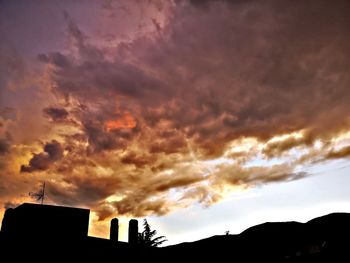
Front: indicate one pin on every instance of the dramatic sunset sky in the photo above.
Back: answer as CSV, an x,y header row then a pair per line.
x,y
203,116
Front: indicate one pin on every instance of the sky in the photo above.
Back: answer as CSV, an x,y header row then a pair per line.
x,y
201,116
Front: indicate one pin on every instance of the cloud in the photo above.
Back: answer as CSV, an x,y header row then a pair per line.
x,y
276,148
5,142
4,146
138,160
83,190
158,119
103,139
8,113
127,207
55,58
185,93
203,195
341,153
53,152
126,121
255,175
266,88
56,114
121,185
10,205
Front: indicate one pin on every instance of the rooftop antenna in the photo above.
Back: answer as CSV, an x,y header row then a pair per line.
x,y
40,195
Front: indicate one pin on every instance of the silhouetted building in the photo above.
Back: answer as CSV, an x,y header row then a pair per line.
x,y
45,222
114,230
133,231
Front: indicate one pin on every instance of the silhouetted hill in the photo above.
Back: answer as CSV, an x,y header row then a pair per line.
x,y
323,239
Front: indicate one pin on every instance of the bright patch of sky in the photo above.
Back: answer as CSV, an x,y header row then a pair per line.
x,y
325,192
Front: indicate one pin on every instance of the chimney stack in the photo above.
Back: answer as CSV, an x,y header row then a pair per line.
x,y
133,231
114,230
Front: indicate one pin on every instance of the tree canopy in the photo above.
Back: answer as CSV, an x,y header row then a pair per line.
x,y
148,237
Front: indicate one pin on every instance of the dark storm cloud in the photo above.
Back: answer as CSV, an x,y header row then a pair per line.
x,y
4,146
103,79
140,192
55,58
5,143
53,152
56,114
252,71
147,112
168,146
78,39
138,160
86,189
200,82
100,139
148,199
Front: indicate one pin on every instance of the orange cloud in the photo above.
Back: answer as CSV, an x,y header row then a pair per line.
x,y
234,91
126,121
342,153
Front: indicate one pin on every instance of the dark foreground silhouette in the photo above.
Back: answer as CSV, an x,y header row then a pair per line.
x,y
45,233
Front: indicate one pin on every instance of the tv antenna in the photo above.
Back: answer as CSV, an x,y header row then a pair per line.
x,y
40,195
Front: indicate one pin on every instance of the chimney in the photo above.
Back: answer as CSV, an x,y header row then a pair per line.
x,y
133,231
114,231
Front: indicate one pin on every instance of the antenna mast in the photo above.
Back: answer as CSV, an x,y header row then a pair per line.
x,y
39,196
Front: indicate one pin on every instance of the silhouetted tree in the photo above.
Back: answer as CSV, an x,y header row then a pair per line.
x,y
148,237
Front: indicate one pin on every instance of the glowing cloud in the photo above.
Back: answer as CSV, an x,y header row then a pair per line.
x,y
207,104
126,121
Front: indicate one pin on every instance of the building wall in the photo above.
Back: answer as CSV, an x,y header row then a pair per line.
x,y
33,221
